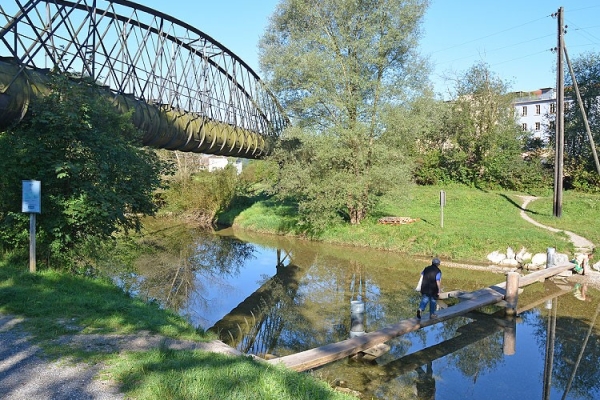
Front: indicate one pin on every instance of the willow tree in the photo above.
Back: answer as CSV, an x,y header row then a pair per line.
x,y
334,65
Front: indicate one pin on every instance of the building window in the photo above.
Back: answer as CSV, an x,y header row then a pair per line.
x,y
537,126
524,112
524,127
552,126
538,109
552,108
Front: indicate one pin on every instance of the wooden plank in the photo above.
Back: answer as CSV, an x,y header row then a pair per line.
x,y
541,275
335,351
451,295
314,358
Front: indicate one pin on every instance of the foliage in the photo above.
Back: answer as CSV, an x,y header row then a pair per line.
x,y
202,196
333,64
475,140
330,184
185,164
96,178
580,168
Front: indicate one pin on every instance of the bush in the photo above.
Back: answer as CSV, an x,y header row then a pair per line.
x,y
203,196
96,177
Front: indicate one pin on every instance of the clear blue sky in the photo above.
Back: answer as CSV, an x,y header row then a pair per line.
x,y
513,37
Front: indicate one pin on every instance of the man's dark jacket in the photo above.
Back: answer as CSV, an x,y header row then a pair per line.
x,y
429,285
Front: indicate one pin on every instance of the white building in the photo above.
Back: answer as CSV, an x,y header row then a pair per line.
x,y
220,162
535,111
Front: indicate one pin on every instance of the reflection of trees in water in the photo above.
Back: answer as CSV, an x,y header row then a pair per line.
x,y
176,264
320,313
570,334
425,382
478,357
219,255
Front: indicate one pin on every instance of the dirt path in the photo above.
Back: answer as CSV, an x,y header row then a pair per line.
x,y
581,244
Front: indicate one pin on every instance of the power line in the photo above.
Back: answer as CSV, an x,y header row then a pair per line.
x,y
502,48
490,35
520,58
584,32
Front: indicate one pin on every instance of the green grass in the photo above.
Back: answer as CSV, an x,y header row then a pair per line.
x,y
268,216
168,374
56,303
475,223
580,212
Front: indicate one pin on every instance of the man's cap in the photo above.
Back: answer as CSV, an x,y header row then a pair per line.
x,y
436,261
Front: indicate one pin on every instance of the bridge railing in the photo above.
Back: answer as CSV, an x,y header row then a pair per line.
x,y
140,52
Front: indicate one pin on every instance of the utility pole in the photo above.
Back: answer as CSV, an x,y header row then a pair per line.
x,y
560,118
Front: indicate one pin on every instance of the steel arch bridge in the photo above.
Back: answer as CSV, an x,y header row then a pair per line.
x,y
188,91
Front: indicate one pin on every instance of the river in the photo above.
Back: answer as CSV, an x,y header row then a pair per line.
x,y
273,296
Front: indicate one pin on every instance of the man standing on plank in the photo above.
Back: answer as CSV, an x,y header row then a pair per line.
x,y
430,288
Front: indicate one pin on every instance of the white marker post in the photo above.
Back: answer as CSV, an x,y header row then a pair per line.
x,y
32,191
442,204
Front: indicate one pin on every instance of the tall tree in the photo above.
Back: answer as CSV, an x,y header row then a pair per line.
x,y
334,64
96,176
579,161
481,143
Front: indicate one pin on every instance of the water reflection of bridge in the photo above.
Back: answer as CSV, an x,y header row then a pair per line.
x,y
255,324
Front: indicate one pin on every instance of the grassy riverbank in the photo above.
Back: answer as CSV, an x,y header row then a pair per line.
x,y
56,304
475,223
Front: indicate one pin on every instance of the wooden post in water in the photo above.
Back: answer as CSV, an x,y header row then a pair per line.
x,y
512,293
510,337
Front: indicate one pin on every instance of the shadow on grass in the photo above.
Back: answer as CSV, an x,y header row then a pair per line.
x,y
239,205
514,203
165,373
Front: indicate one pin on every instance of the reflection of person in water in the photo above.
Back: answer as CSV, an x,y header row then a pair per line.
x,y
581,292
425,383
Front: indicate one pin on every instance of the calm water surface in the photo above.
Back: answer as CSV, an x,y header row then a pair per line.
x,y
273,296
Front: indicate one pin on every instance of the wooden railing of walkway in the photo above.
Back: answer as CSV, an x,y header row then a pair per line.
x,y
317,357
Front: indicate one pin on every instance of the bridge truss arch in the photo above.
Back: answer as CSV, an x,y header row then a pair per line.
x,y
189,92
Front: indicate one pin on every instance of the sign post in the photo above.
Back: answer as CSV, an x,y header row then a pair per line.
x,y
32,204
442,204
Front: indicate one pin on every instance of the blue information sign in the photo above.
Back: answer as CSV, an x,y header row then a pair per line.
x,y
32,195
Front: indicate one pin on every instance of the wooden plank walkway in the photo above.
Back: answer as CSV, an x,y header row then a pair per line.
x,y
317,357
